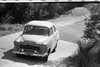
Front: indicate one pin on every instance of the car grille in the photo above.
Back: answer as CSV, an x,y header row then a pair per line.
x,y
29,47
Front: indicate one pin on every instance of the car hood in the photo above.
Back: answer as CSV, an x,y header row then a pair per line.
x,y
38,39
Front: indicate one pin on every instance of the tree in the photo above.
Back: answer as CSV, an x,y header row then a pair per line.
x,y
92,35
89,53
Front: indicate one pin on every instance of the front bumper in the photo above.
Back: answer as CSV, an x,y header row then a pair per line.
x,y
30,54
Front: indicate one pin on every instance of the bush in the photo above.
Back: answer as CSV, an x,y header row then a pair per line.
x,y
89,54
11,27
25,12
6,19
85,57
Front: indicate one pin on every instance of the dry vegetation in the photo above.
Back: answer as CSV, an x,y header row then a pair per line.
x,y
6,29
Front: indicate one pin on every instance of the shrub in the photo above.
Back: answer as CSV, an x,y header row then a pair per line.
x,y
11,27
85,57
24,12
89,54
3,27
6,19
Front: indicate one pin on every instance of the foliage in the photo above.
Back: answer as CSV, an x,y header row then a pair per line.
x,y
6,29
92,27
93,7
85,57
89,54
92,32
24,12
6,19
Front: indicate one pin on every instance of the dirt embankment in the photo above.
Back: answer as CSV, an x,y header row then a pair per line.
x,y
72,16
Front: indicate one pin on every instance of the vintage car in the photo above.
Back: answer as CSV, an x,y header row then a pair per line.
x,y
39,38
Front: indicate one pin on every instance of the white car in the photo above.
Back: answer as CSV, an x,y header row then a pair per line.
x,y
39,38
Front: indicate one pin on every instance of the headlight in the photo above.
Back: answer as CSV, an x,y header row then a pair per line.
x,y
15,43
44,48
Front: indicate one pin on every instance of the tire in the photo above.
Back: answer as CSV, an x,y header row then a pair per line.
x,y
18,55
54,50
45,59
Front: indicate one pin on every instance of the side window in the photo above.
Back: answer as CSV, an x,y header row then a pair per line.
x,y
51,31
54,28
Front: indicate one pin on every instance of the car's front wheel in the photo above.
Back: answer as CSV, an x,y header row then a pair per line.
x,y
45,59
18,55
54,50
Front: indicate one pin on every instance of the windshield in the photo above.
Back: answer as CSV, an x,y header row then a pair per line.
x,y
36,30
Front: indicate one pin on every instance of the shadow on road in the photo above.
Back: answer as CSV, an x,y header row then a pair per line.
x,y
22,59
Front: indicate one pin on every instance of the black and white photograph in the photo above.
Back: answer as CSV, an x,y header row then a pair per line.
x,y
50,34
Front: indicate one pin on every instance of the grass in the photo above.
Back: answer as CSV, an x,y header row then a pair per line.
x,y
6,29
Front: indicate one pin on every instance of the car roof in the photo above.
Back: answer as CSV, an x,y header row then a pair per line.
x,y
40,23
